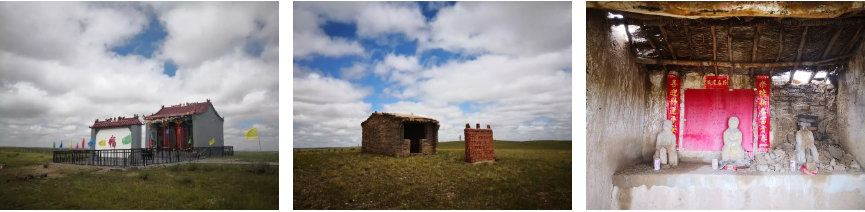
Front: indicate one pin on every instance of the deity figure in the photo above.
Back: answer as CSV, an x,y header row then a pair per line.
x,y
805,139
665,146
732,150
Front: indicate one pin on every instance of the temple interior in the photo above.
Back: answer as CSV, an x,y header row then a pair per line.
x,y
789,73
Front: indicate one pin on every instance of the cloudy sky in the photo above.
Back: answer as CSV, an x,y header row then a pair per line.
x,y
65,64
506,64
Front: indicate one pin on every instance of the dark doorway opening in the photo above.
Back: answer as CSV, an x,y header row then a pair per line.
x,y
415,132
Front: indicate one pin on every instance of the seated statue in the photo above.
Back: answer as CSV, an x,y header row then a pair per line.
x,y
805,139
665,146
733,150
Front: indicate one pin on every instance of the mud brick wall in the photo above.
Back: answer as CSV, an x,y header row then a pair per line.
x,y
479,144
430,144
812,105
383,136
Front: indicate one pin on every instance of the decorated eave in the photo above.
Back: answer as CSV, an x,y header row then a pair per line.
x,y
674,36
119,121
180,112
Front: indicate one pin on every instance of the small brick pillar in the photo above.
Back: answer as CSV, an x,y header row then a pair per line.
x,y
479,144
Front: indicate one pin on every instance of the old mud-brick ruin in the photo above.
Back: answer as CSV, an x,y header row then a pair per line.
x,y
725,105
479,144
395,134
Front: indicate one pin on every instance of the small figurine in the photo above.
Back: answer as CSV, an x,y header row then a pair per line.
x,y
665,146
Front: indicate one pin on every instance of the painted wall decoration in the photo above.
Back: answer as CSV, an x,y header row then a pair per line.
x,y
716,82
108,138
708,113
764,89
673,110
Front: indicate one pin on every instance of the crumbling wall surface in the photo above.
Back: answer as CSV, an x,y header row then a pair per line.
x,y
383,136
616,107
479,144
656,113
789,101
851,111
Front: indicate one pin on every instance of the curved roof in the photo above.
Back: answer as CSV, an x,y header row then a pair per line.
x,y
116,122
183,109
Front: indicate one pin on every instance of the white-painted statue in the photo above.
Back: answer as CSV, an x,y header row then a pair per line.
x,y
733,150
805,139
665,146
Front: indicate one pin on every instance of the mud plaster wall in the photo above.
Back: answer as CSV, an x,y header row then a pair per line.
x,y
851,106
616,107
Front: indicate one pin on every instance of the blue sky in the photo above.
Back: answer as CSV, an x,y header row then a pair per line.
x,y
502,63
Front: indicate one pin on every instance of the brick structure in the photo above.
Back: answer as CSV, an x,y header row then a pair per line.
x,y
479,144
396,134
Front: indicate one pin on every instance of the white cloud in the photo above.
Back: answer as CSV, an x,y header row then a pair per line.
x,y
59,74
199,31
324,105
514,28
356,71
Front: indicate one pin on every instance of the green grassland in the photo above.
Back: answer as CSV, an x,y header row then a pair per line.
x,y
257,156
528,175
182,186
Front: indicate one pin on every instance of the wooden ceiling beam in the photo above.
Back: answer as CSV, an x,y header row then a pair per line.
x,y
667,41
830,61
691,46
799,52
696,10
714,50
754,49
730,48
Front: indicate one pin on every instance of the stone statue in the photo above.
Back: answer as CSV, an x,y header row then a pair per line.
x,y
805,139
733,150
665,146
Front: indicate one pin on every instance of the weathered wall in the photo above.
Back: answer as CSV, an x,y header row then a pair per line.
x,y
789,100
382,135
851,111
616,106
479,144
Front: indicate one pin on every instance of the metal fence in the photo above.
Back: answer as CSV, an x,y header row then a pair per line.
x,y
138,157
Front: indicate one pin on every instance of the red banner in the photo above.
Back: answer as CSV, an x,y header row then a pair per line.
x,y
716,82
708,114
673,109
764,88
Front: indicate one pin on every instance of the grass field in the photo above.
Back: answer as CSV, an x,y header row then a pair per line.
x,y
528,175
257,157
185,186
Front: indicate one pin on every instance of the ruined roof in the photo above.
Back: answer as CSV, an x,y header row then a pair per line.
x,y
405,117
759,44
116,122
182,109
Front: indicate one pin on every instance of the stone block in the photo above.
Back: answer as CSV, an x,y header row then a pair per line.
x,y
762,168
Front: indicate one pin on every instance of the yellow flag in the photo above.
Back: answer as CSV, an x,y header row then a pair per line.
x,y
70,144
102,142
252,133
211,141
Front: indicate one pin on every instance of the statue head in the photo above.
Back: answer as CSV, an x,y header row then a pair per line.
x,y
734,122
668,125
803,128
